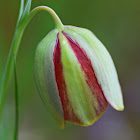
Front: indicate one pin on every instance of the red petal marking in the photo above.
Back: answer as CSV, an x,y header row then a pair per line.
x,y
68,111
89,74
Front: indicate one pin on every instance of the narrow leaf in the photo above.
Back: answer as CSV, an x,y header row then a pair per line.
x,y
27,8
21,9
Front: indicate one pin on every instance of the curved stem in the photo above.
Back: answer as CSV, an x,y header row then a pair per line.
x,y
15,46
57,20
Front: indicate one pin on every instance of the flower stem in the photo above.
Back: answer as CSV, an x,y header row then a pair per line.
x,y
16,102
57,20
9,67
15,46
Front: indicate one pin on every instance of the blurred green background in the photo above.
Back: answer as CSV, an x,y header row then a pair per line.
x,y
117,24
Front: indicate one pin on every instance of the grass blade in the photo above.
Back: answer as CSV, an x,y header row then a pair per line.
x,y
27,8
21,9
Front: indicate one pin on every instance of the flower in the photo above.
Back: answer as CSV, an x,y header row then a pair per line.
x,y
76,76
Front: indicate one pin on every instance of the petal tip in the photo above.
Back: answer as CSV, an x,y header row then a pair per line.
x,y
62,126
119,107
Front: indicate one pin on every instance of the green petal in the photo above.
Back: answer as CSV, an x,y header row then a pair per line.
x,y
80,97
102,63
45,77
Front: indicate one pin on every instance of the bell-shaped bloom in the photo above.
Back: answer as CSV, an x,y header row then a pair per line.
x,y
76,76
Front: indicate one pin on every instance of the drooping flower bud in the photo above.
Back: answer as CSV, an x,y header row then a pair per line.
x,y
76,76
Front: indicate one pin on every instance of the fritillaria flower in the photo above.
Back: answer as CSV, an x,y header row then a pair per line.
x,y
76,76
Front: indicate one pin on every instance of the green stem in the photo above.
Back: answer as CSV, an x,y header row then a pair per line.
x,y
9,67
16,102
15,46
57,20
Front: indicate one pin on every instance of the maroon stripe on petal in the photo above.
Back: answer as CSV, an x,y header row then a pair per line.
x,y
89,75
68,111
